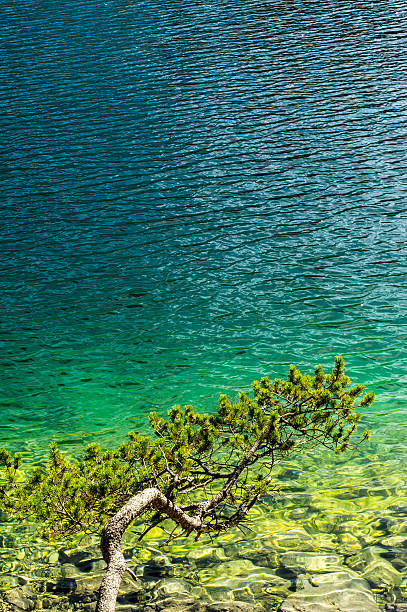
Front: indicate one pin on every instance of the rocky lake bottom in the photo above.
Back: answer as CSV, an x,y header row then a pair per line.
x,y
335,539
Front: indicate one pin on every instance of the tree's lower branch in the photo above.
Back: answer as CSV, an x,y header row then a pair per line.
x,y
113,533
224,492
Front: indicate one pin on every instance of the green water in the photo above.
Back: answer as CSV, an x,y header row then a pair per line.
x,y
196,195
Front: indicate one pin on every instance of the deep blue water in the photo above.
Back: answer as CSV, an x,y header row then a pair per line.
x,y
195,194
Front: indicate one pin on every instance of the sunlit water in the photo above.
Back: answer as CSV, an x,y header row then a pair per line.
x,y
194,195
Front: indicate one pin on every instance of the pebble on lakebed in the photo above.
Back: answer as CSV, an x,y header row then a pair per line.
x,y
343,551
208,581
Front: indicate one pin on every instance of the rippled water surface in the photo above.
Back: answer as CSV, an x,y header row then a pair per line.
x,y
196,194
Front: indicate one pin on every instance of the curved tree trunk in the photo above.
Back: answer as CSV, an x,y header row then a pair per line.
x,y
110,544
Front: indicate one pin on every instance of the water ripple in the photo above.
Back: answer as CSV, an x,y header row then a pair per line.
x,y
195,194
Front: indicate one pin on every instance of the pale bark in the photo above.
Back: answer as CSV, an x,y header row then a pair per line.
x,y
153,498
112,535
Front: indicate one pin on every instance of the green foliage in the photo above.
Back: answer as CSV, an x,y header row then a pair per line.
x,y
190,456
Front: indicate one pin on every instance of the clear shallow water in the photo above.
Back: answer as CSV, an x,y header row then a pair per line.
x,y
195,195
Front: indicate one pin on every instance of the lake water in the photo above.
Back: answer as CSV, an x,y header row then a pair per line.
x,y
196,194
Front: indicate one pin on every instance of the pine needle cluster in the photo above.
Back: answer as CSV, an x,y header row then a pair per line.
x,y
227,456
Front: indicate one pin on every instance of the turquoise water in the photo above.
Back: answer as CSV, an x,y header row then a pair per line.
x,y
196,194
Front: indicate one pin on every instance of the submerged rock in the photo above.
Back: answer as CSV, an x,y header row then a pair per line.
x,y
261,558
299,562
86,589
234,606
129,592
69,571
18,600
332,592
175,605
293,539
237,567
171,587
8,581
360,561
76,556
379,572
207,555
63,585
159,567
349,544
241,580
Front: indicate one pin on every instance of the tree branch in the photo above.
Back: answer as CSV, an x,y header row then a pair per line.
x,y
113,533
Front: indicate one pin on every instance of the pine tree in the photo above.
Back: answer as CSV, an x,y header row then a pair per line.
x,y
204,472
